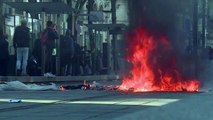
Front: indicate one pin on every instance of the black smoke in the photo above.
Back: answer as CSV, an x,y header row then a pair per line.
x,y
158,15
166,17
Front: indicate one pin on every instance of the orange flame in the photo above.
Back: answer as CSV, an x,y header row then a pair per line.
x,y
154,66
61,88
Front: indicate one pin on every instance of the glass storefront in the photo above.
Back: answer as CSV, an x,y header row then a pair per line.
x,y
9,29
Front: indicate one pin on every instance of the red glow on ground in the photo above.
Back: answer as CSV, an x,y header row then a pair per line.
x,y
61,88
154,66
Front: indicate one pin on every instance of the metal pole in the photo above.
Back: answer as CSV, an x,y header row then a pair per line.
x,y
114,37
108,53
43,47
1,15
90,31
58,46
95,53
204,22
32,37
195,34
73,24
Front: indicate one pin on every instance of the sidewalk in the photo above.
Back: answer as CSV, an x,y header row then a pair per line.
x,y
35,79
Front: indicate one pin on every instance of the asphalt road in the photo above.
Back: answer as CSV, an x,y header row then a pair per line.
x,y
105,105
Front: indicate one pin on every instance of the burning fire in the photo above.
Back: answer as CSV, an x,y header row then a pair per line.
x,y
154,65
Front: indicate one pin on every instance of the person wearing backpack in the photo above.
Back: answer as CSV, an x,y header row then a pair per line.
x,y
21,40
4,54
48,37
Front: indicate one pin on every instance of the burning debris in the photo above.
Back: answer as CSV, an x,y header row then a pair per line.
x,y
88,86
154,65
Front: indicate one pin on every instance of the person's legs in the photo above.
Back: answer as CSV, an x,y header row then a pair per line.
x,y
74,66
43,60
48,59
25,59
3,65
67,64
48,62
1,68
63,67
18,59
68,69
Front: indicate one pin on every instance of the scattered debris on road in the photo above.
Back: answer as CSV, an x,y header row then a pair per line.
x,y
14,101
89,86
17,85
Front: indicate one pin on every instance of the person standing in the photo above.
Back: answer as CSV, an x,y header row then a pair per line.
x,y
21,40
4,54
76,61
67,52
48,37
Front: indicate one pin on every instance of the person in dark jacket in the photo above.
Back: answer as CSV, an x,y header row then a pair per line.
x,y
67,52
48,47
34,62
76,61
21,40
4,54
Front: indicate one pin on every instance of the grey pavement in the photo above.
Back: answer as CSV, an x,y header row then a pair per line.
x,y
105,105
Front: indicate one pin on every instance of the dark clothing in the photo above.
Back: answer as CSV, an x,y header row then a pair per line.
x,y
67,53
37,50
3,67
48,58
21,37
34,63
4,56
33,68
76,62
67,47
4,53
78,51
52,35
210,53
48,48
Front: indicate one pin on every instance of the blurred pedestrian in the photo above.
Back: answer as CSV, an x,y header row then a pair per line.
x,y
76,59
21,41
48,37
37,50
67,52
4,54
34,62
